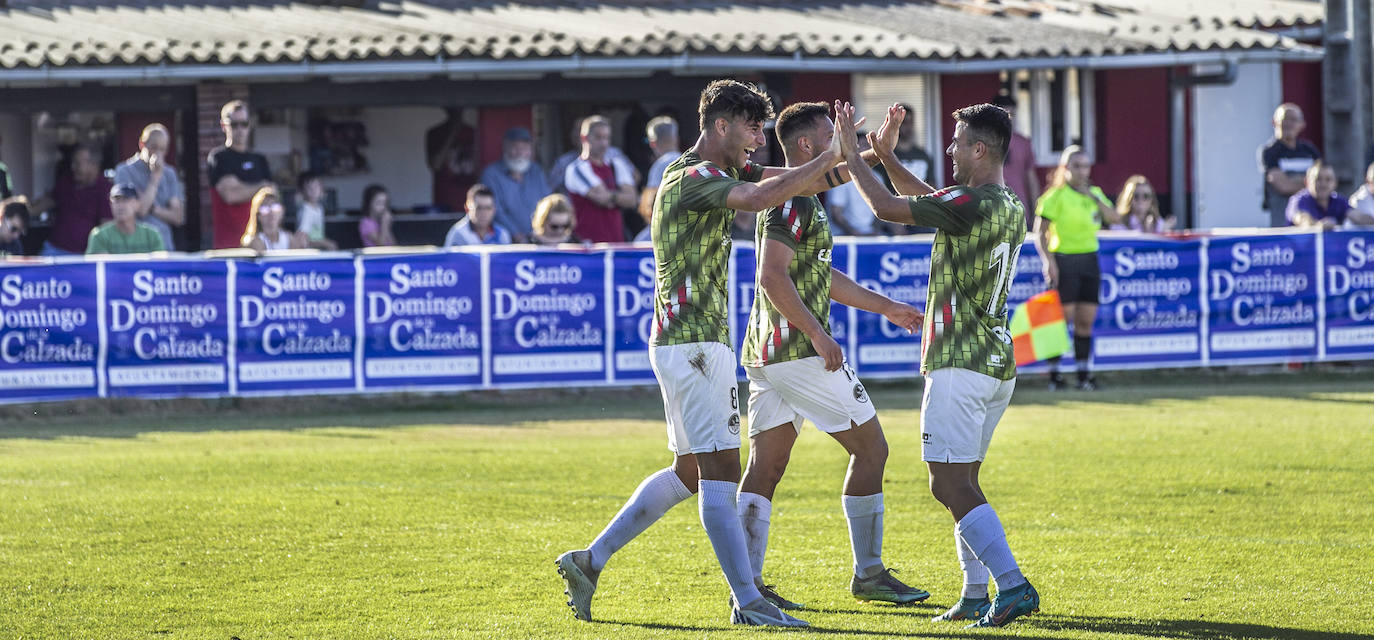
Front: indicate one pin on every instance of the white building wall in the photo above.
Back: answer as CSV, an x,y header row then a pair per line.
x,y
1230,123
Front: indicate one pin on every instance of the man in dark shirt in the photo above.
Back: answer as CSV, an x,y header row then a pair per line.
x,y
451,152
1284,161
79,201
235,174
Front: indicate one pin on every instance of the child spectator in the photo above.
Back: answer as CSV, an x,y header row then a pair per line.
x,y
1138,207
310,211
1318,205
375,227
264,232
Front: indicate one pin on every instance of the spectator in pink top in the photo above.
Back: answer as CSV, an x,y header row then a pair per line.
x,y
81,201
375,227
1019,169
600,185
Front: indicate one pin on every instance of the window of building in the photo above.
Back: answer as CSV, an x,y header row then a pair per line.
x,y
874,93
1054,109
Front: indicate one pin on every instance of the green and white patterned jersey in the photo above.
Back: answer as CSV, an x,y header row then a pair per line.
x,y
691,236
801,224
979,232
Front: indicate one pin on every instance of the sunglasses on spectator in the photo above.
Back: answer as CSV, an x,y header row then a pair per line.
x,y
271,208
238,124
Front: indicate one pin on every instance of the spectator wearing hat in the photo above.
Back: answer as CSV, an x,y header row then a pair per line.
x,y
80,201
14,221
124,234
516,182
161,206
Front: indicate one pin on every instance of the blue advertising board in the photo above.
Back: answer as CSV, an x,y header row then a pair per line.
x,y
742,265
49,332
1151,311
632,297
296,323
168,328
1348,284
421,323
901,271
1262,295
548,322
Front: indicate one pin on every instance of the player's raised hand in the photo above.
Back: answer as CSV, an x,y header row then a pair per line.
x,y
884,140
846,142
904,316
829,350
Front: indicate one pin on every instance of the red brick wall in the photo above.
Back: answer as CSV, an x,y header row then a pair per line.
x,y
210,97
1302,85
1132,128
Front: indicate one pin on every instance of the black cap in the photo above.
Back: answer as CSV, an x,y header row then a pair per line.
x,y
123,190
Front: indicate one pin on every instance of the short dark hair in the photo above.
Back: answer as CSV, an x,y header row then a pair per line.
x,y
798,119
733,99
479,189
305,178
16,207
1004,100
989,124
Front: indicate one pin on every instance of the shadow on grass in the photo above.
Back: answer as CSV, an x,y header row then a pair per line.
x,y
1182,629
1172,629
1136,387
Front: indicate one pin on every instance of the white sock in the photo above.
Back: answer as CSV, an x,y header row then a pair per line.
x,y
975,574
982,531
754,513
654,497
865,515
721,521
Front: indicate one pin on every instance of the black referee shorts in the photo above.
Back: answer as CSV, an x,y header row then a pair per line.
x,y
1080,277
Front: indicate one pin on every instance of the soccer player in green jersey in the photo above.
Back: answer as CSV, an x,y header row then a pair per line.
x,y
966,349
690,350
796,369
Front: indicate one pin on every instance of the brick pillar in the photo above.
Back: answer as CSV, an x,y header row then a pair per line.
x,y
210,97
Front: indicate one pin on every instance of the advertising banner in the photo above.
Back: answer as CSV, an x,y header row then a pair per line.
x,y
1151,311
296,325
1348,283
49,332
421,322
901,271
1262,294
632,295
168,328
548,322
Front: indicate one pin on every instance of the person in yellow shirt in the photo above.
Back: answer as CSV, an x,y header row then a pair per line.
x,y
1068,216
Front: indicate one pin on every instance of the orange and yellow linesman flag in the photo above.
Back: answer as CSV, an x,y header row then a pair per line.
x,y
1038,330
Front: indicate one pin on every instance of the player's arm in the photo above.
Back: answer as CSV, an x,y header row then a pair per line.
x,y
779,187
884,143
1042,240
1283,183
835,177
777,284
886,206
1104,206
847,292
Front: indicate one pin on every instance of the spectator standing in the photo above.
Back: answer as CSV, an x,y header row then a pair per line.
x,y
161,205
14,222
124,234
1068,217
479,225
667,147
310,211
554,222
517,182
81,201
1020,167
451,152
1361,213
600,185
1138,207
264,232
375,227
1284,160
559,171
1318,204
235,175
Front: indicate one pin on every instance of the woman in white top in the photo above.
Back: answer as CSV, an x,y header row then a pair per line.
x,y
264,232
1139,208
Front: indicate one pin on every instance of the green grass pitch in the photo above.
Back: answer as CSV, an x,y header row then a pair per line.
x,y
1186,506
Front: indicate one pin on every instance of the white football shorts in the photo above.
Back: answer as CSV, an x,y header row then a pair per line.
x,y
959,411
795,389
700,396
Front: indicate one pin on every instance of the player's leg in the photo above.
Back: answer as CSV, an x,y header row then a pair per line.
x,y
769,451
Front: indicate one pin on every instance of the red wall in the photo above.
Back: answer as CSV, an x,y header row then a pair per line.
x,y
1302,85
957,92
492,123
820,87
1132,128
